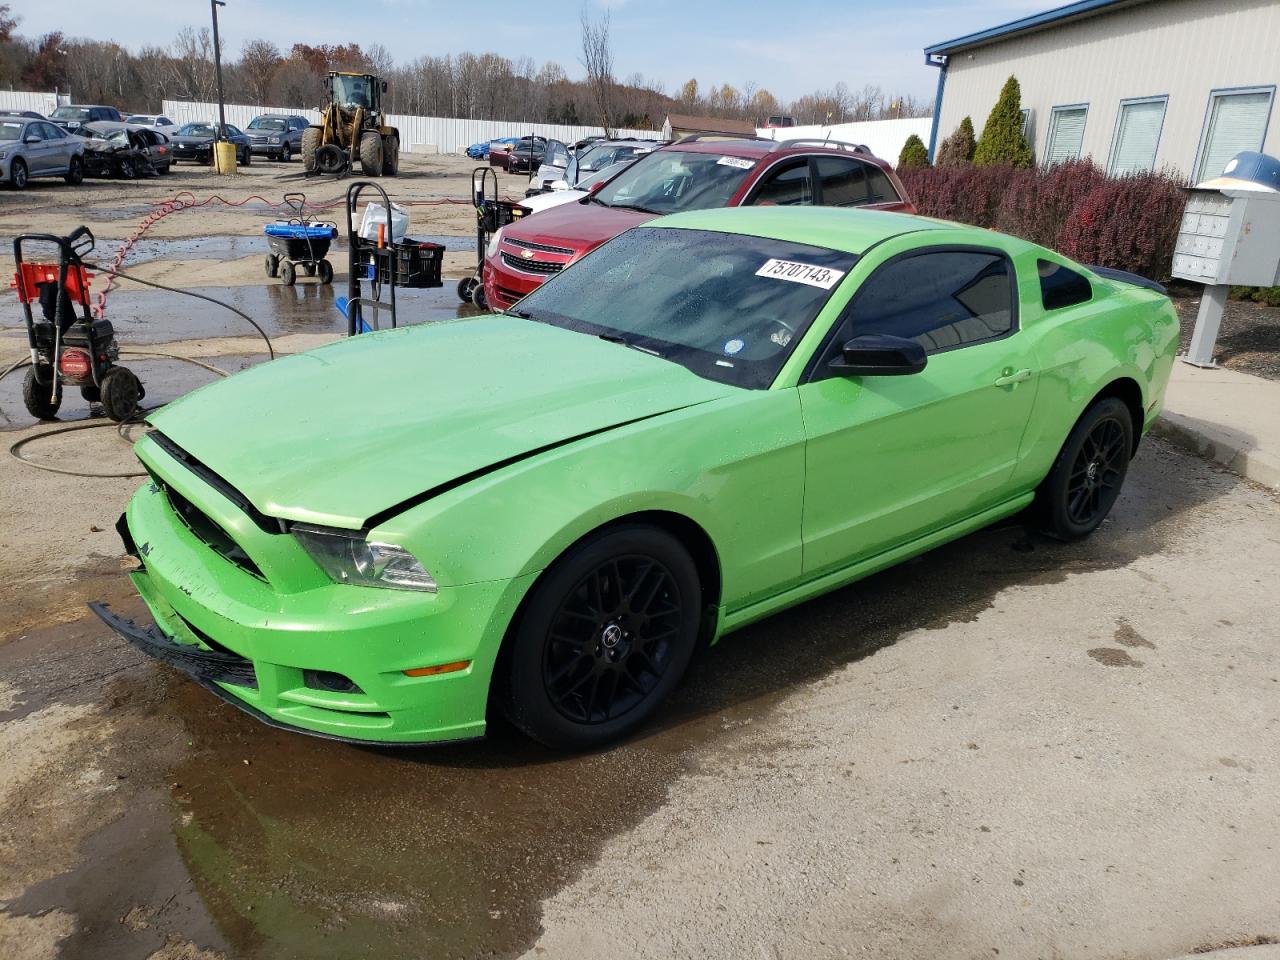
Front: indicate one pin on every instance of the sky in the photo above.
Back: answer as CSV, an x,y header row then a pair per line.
x,y
791,48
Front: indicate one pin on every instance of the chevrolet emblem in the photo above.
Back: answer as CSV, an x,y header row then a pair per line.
x,y
527,254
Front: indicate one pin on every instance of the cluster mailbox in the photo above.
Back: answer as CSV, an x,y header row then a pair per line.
x,y
1230,235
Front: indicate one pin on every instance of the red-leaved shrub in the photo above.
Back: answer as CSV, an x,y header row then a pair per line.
x,y
1129,222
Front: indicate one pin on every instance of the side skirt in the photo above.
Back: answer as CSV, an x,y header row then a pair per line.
x,y
730,621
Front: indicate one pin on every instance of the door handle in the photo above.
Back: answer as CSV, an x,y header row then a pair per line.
x,y
1013,377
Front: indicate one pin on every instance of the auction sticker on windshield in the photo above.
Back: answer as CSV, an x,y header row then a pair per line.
x,y
823,277
738,162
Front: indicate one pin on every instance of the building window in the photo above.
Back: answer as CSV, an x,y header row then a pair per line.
x,y
1236,120
1137,136
1066,133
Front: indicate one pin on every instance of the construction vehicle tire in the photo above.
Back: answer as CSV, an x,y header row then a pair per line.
x,y
371,153
310,144
390,155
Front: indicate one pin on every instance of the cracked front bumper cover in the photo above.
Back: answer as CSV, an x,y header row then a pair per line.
x,y
206,666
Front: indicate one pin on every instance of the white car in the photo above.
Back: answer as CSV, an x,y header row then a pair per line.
x,y
152,120
560,170
583,188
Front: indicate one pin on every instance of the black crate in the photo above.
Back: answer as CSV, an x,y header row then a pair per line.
x,y
406,263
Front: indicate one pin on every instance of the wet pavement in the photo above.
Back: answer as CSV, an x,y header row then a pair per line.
x,y
266,844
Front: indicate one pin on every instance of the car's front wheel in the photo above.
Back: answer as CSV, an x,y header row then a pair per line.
x,y
18,174
286,153
1085,480
604,638
75,171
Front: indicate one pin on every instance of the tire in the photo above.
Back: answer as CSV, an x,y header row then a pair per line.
x,y
127,169
164,171
390,156
286,153
35,396
465,288
75,172
91,394
310,144
18,176
1085,480
371,153
478,298
288,274
272,265
248,157
325,271
121,393
579,632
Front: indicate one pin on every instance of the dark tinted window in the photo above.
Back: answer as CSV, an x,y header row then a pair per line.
x,y
51,132
879,188
844,181
1061,287
941,300
787,188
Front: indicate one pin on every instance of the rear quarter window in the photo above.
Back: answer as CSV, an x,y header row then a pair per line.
x,y
879,189
1062,287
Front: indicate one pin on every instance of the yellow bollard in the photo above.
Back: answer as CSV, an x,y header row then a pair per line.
x,y
224,157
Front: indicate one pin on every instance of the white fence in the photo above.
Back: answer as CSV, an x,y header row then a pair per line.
x,y
416,133
44,103
884,138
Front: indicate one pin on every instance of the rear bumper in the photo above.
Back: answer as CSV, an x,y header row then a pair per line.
x,y
275,652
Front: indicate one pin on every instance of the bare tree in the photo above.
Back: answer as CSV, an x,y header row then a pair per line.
x,y
258,62
597,57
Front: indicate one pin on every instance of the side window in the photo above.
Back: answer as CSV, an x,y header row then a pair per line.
x,y
50,132
879,187
34,130
1061,287
941,299
844,181
789,187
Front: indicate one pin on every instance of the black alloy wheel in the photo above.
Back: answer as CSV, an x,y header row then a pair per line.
x,y
1086,478
603,638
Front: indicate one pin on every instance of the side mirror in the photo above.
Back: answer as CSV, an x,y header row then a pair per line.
x,y
879,355
32,139
384,86
597,187
559,185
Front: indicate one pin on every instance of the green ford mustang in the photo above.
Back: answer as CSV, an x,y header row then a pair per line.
x,y
710,418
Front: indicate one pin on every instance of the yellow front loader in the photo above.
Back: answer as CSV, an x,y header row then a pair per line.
x,y
353,128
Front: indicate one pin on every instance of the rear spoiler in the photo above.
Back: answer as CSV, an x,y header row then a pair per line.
x,y
1124,276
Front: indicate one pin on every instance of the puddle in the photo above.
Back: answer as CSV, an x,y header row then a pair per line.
x,y
299,847
227,247
143,317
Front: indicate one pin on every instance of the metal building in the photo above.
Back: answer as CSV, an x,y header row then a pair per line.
x,y
1134,84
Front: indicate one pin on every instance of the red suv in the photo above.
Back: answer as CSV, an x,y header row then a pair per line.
x,y
696,173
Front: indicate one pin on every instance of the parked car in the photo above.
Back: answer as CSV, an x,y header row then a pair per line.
x,y
275,135
193,143
124,150
527,155
749,408
697,172
72,115
37,148
157,121
25,114
502,158
585,142
592,181
563,168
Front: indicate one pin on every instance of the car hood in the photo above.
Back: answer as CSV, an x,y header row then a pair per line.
x,y
351,430
545,201
580,226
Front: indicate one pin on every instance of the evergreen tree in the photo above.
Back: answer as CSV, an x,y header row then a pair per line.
x,y
914,154
957,149
1002,142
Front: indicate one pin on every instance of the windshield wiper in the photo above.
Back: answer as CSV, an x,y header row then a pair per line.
x,y
623,341
632,206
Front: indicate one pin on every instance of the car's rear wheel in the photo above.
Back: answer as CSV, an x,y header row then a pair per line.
x,y
1085,480
604,638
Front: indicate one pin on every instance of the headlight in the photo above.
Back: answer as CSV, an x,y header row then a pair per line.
x,y
492,249
275,139
4,154
347,557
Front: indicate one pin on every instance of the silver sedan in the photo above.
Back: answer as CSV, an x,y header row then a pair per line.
x,y
36,148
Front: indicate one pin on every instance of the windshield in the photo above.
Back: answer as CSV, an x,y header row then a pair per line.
x,y
352,92
71,113
114,134
726,306
603,176
10,130
196,130
669,180
140,118
266,123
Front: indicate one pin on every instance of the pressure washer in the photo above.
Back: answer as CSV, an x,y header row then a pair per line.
x,y
68,346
